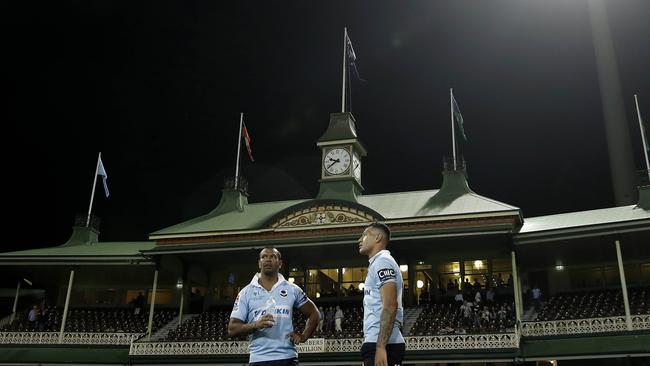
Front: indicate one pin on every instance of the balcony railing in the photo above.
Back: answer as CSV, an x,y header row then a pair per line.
x,y
116,339
583,326
423,343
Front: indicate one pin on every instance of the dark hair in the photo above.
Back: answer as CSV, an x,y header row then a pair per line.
x,y
277,252
383,227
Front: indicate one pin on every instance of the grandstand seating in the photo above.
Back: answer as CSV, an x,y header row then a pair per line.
x,y
449,318
89,320
595,304
435,319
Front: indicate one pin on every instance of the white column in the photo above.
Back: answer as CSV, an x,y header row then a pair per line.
x,y
13,311
65,307
153,302
180,311
515,288
621,271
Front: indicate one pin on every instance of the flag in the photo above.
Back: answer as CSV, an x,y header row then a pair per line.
x,y
247,140
458,117
102,172
352,58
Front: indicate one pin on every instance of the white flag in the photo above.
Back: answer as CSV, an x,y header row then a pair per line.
x,y
101,171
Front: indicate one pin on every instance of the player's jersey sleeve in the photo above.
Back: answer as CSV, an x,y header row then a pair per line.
x,y
385,271
300,298
240,308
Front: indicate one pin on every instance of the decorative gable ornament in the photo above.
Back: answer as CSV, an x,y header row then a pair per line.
x,y
319,214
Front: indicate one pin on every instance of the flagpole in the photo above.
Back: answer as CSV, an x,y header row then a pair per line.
x,y
241,123
643,137
453,133
345,54
92,193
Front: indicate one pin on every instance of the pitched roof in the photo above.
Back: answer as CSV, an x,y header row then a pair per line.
x,y
454,198
593,222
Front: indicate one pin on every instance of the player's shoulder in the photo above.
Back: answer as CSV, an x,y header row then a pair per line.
x,y
292,287
385,260
244,291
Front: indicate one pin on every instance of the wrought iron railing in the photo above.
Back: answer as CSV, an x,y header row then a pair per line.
x,y
423,343
116,339
583,326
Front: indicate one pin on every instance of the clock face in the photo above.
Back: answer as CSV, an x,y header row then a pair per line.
x,y
356,167
336,161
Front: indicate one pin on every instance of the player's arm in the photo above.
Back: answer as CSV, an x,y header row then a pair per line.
x,y
237,327
388,294
313,316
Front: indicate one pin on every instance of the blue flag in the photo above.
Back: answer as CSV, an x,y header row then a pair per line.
x,y
352,58
458,117
102,172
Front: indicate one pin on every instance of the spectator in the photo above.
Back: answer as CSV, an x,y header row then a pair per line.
x,y
499,280
451,286
476,285
196,302
338,318
459,298
424,296
138,303
510,280
466,284
502,313
489,296
537,297
352,291
32,317
329,319
477,297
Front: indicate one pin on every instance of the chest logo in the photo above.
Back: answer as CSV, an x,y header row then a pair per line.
x,y
283,293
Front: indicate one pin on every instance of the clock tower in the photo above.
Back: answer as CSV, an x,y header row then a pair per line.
x,y
340,159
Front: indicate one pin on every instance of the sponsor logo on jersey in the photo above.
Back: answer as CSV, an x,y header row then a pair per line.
x,y
386,274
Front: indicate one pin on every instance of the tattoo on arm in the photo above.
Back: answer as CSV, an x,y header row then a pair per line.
x,y
386,322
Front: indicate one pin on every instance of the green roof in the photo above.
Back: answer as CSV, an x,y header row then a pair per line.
x,y
455,198
622,214
124,249
582,224
82,245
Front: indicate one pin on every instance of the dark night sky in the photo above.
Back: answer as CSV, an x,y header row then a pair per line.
x,y
158,88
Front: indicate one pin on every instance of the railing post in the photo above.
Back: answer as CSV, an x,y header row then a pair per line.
x,y
153,302
515,289
621,271
65,307
13,311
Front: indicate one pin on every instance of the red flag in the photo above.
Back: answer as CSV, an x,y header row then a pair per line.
x,y
247,140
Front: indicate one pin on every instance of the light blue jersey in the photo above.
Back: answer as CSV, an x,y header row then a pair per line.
x,y
254,301
382,270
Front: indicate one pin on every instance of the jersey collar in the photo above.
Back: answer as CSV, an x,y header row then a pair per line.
x,y
379,254
256,278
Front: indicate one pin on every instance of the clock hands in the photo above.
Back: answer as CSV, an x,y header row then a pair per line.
x,y
334,161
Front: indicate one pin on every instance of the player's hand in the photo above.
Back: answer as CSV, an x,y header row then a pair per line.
x,y
265,321
380,357
297,338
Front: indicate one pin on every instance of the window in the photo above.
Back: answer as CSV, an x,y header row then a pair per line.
x,y
612,277
163,296
323,282
502,266
449,273
589,277
352,279
476,271
645,273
